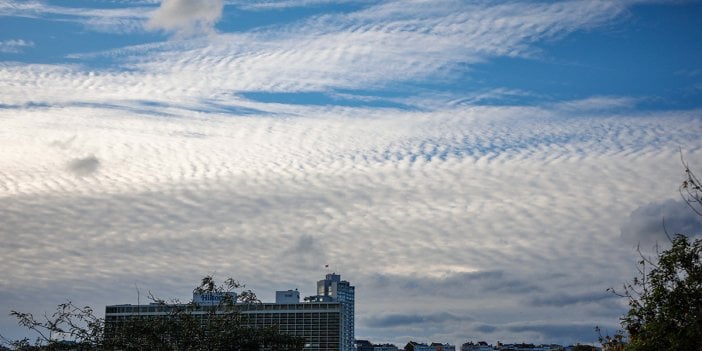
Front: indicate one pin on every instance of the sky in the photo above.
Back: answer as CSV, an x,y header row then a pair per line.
x,y
479,170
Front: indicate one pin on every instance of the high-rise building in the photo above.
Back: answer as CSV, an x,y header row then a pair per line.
x,y
333,289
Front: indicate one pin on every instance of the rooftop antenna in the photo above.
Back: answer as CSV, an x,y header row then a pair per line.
x,y
138,298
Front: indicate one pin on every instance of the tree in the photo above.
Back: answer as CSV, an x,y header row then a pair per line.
x,y
68,322
691,190
184,327
665,302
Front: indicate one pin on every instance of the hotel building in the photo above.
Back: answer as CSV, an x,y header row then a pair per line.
x,y
325,320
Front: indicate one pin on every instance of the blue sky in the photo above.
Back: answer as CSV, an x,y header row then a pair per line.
x,y
480,170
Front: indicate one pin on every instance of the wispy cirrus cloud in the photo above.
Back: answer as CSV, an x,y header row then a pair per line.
x,y
380,45
15,46
122,20
259,5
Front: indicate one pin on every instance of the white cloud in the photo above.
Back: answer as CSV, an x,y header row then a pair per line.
x,y
597,103
258,5
187,16
15,46
124,20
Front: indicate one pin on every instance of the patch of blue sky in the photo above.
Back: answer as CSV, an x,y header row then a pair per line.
x,y
147,108
54,39
29,105
655,56
231,110
324,99
142,108
239,19
96,4
391,91
159,109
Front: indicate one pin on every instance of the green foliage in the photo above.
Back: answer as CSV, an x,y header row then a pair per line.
x,y
184,327
665,302
665,305
184,331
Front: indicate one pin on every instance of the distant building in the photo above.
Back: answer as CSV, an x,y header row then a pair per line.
x,y
479,346
325,321
416,346
363,345
528,347
385,347
443,347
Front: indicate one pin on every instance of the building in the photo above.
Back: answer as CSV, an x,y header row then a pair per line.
x,y
325,321
479,346
528,347
385,347
365,345
416,346
289,296
333,289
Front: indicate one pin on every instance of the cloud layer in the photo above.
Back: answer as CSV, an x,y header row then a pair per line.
x,y
491,209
